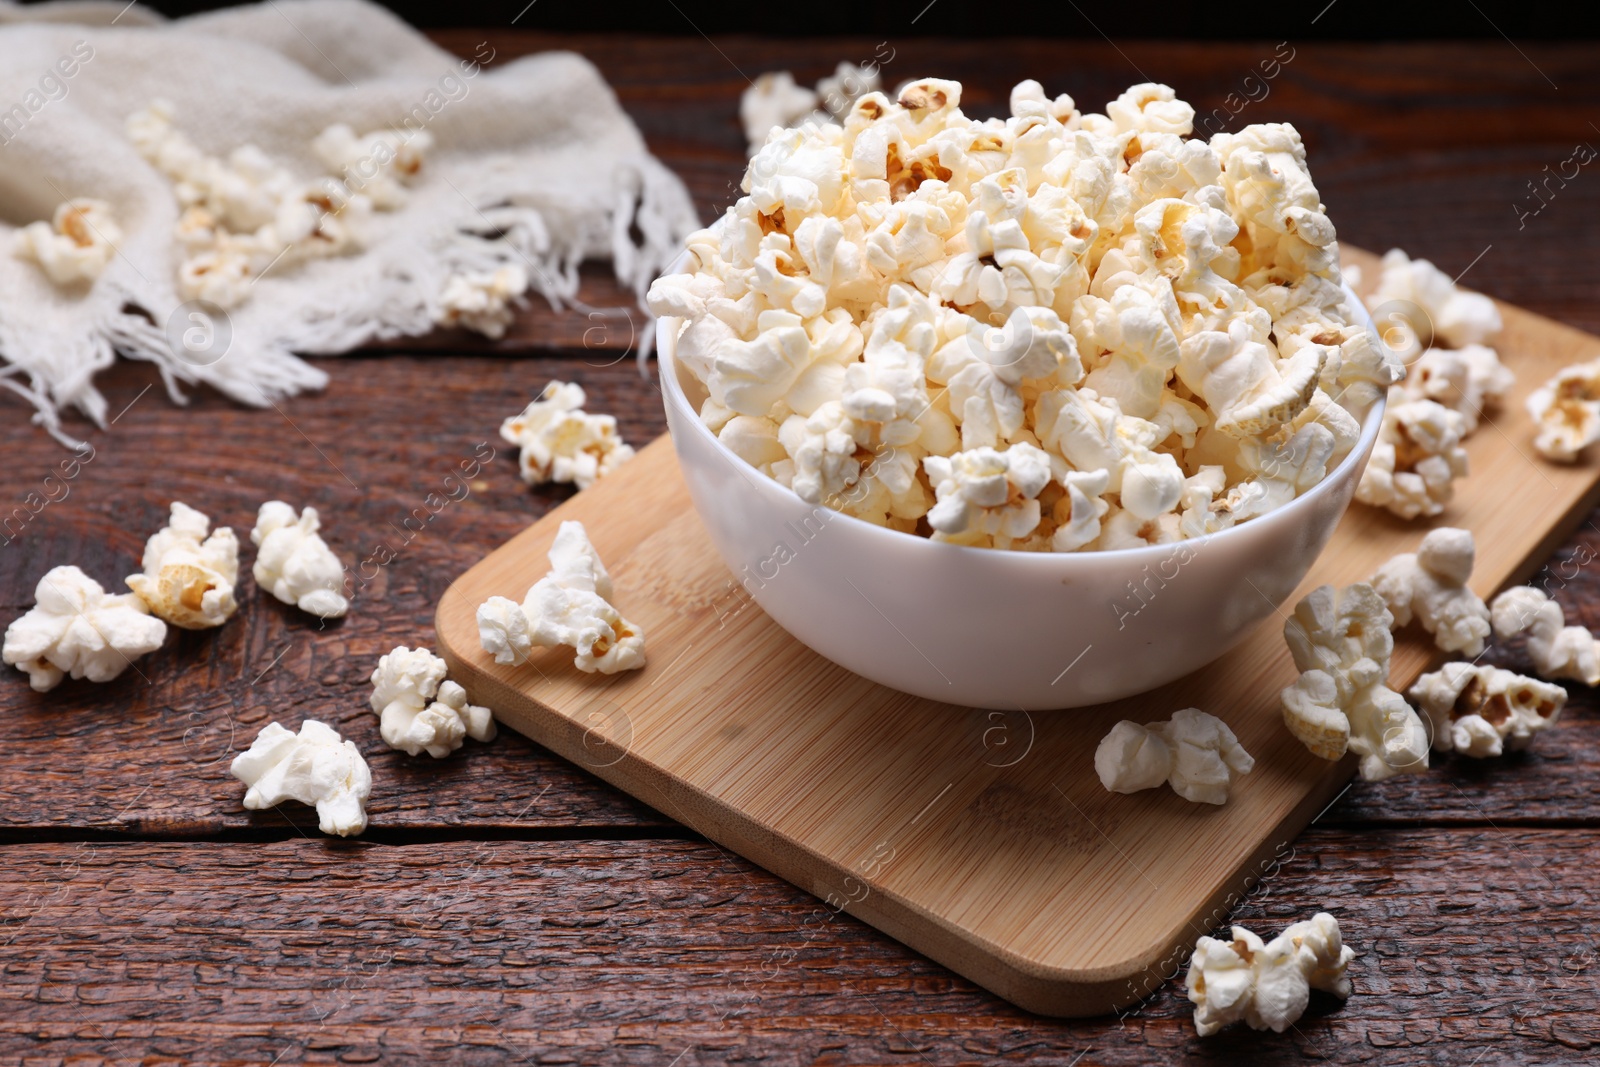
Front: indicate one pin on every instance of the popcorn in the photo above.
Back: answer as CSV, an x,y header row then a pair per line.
x,y
1567,409
900,298
561,442
1341,644
314,767
1416,460
483,300
77,629
244,215
75,245
773,100
294,563
1432,584
988,493
189,577
376,164
569,606
1427,300
1480,711
1557,650
1266,985
1194,752
1467,381
419,711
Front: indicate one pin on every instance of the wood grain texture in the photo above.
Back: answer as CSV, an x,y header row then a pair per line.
x,y
661,952
1426,146
752,739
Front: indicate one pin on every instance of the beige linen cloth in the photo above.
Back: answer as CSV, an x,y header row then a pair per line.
x,y
534,163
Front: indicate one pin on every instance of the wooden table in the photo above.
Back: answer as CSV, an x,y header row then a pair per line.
x,y
505,905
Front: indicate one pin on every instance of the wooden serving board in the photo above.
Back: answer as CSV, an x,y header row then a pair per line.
x,y
982,839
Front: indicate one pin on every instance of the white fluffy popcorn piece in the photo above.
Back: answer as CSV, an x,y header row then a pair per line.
x,y
1196,753
75,628
569,606
899,292
1430,585
988,492
561,442
1468,381
1430,303
1416,460
315,767
1341,643
772,101
419,710
1266,985
75,245
484,301
189,572
1480,711
377,164
294,563
1567,411
1556,649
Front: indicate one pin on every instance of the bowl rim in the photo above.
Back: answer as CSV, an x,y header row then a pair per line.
x,y
672,390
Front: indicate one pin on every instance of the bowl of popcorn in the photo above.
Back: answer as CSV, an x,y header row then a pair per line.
x,y
1034,412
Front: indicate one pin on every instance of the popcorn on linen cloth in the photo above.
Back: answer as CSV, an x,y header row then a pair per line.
x,y
534,163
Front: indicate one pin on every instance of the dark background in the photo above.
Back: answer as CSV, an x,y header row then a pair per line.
x,y
1197,19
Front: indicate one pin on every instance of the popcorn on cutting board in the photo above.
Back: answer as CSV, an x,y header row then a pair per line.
x,y
1448,387
1341,644
1266,985
569,606
1430,585
561,442
1161,316
419,710
1567,411
1193,752
315,767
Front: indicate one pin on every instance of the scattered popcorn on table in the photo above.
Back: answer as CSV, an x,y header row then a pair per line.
x,y
1431,584
1341,644
376,165
1439,313
569,606
314,767
483,301
1567,409
1480,711
75,245
1416,459
1266,985
1556,649
1194,752
294,563
1468,381
77,629
188,576
419,711
561,442
1160,315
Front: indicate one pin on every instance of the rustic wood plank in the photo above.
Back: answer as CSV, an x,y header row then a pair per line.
x,y
366,453
650,951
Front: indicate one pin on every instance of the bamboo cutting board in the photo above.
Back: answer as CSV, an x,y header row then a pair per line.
x,y
982,839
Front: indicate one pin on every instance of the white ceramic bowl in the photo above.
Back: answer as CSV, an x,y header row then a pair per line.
x,y
987,628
